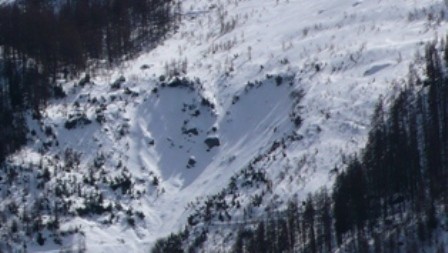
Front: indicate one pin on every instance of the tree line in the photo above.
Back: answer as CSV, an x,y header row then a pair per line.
x,y
41,41
404,166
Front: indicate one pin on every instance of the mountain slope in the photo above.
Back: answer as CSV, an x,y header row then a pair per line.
x,y
247,64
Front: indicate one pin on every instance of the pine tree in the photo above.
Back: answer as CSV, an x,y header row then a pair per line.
x,y
326,219
308,219
261,243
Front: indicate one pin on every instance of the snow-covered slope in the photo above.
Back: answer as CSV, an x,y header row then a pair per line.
x,y
247,64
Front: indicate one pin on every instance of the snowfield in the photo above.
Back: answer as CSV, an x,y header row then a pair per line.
x,y
247,63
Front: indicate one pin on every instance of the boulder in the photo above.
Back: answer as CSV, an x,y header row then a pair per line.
x,y
212,142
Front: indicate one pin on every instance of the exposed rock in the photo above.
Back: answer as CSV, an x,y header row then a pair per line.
x,y
191,162
77,120
212,142
191,131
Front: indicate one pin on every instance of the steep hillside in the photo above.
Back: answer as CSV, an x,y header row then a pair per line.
x,y
259,98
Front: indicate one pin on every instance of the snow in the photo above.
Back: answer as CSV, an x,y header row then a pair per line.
x,y
343,54
2,2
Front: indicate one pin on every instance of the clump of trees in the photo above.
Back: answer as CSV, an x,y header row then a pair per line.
x,y
65,35
42,41
404,165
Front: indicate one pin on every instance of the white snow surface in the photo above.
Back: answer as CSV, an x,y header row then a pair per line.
x,y
343,54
